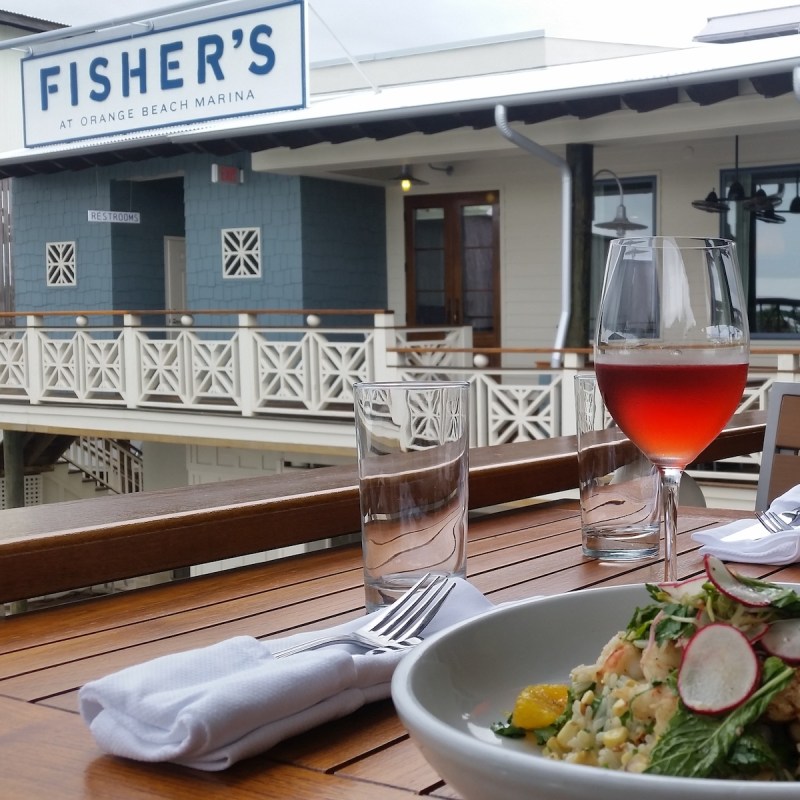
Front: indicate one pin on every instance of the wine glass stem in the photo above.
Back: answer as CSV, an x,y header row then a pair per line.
x,y
670,485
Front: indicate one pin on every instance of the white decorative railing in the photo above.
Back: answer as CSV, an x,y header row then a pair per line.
x,y
111,464
245,368
252,369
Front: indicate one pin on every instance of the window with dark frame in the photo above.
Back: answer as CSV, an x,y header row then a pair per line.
x,y
640,205
766,228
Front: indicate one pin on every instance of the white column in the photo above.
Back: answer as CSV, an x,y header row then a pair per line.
x,y
247,364
386,365
33,355
787,367
131,365
573,363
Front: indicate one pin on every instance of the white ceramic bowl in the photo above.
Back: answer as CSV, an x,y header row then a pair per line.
x,y
450,689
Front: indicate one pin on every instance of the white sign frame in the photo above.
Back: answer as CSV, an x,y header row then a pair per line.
x,y
188,72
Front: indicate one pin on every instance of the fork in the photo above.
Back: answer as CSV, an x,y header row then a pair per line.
x,y
396,627
775,523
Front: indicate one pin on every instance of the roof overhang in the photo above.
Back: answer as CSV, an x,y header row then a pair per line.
x,y
705,75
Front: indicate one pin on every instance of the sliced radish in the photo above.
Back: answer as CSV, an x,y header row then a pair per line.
x,y
782,639
755,633
681,591
730,585
719,670
702,618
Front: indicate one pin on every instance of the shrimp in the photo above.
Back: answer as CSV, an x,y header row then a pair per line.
x,y
620,658
657,704
658,660
785,706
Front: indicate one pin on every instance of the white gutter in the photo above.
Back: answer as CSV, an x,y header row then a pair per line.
x,y
535,149
67,32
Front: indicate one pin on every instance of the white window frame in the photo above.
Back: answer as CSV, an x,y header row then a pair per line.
x,y
61,264
241,253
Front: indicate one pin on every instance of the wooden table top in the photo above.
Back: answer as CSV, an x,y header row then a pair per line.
x,y
46,655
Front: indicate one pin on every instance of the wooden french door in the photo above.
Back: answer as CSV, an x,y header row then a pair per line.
x,y
452,262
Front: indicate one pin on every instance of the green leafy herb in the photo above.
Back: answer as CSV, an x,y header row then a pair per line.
x,y
508,729
511,731
696,746
639,626
672,620
787,600
752,754
675,622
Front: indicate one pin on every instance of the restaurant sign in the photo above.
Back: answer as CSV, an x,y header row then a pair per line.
x,y
188,70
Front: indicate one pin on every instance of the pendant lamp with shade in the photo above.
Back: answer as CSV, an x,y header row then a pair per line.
x,y
794,206
736,190
620,224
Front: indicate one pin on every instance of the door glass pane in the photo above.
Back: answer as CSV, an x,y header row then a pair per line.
x,y
477,262
429,258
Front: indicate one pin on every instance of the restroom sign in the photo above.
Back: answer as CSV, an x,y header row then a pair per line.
x,y
189,68
131,217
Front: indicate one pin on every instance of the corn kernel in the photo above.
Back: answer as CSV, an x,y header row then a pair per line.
x,y
564,736
615,737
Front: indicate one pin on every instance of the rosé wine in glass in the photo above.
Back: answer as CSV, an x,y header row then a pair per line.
x,y
672,351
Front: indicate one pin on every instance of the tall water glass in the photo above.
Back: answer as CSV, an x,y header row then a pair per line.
x,y
671,352
413,450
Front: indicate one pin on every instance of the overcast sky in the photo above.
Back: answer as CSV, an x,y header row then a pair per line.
x,y
400,24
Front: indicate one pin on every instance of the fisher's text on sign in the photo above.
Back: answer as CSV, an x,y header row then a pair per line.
x,y
187,71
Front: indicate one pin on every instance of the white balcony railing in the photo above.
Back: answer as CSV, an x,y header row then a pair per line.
x,y
251,369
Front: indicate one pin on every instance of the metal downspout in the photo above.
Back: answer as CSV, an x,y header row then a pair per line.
x,y
530,146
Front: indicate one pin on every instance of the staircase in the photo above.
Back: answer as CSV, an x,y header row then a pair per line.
x,y
112,464
40,451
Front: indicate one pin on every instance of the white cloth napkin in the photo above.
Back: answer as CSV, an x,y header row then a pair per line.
x,y
747,540
211,707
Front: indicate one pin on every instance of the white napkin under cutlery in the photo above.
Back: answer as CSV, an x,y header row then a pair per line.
x,y
747,540
211,707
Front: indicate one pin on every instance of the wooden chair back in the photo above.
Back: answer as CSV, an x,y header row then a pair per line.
x,y
780,462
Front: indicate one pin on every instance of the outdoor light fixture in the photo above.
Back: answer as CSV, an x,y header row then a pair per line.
x,y
447,168
407,180
794,206
736,190
761,201
769,215
620,223
711,203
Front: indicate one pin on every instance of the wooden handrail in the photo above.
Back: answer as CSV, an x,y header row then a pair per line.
x,y
63,546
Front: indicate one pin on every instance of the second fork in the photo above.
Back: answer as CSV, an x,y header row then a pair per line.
x,y
397,626
774,521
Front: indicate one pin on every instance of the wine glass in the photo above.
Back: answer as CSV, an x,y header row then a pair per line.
x,y
671,352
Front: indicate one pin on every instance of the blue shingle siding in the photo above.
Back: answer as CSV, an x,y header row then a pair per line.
x,y
53,208
344,245
323,242
268,202
138,250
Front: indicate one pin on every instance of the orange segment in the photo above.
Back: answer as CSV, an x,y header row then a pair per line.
x,y
539,705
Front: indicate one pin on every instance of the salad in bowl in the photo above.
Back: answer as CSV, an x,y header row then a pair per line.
x,y
703,683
